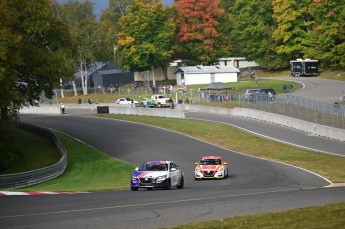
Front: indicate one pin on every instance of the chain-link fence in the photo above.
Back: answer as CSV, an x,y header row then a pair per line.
x,y
300,108
328,114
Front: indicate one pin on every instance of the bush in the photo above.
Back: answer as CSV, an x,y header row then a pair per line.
x,y
8,155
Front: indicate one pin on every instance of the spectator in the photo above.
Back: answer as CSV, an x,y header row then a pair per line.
x,y
290,88
79,101
284,88
180,101
270,97
89,101
186,100
336,107
62,106
171,101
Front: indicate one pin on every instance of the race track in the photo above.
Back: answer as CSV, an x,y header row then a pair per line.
x,y
254,185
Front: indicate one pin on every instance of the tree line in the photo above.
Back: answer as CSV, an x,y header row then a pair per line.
x,y
44,43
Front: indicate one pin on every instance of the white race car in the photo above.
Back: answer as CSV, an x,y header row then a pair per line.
x,y
157,174
211,167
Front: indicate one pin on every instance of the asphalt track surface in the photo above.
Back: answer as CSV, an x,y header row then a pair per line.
x,y
254,185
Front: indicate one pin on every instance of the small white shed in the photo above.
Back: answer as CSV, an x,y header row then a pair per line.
x,y
206,74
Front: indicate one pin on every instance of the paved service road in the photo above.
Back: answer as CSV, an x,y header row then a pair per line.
x,y
318,89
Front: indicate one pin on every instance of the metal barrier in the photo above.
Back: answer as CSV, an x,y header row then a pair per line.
x,y
304,109
18,180
309,110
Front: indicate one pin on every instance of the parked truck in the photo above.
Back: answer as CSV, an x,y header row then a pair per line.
x,y
305,67
156,101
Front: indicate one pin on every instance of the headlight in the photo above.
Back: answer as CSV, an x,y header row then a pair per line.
x,y
220,169
161,177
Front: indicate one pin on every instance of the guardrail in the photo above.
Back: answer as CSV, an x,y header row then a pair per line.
x,y
308,127
19,180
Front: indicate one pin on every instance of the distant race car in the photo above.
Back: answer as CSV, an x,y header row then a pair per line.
x,y
211,167
157,174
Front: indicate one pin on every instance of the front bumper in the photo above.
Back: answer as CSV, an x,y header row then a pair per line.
x,y
149,183
209,174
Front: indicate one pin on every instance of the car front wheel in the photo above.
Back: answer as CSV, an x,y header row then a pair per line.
x,y
168,186
134,189
180,186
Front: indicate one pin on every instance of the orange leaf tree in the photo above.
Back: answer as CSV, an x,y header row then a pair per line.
x,y
198,21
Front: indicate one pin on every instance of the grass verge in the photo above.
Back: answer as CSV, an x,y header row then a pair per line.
x,y
88,170
29,157
329,216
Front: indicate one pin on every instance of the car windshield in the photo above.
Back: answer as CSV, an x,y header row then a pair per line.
x,y
154,167
210,162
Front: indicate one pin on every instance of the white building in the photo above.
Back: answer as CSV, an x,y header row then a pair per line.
x,y
206,74
237,62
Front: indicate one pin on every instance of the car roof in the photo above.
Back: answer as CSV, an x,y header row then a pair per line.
x,y
157,162
211,157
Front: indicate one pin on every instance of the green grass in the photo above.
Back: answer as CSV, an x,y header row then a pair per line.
x,y
238,87
88,170
330,216
30,157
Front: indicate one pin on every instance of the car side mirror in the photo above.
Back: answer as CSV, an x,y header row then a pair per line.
x,y
196,163
225,163
136,169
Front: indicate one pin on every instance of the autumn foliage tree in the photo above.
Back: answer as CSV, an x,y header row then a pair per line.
x,y
32,44
328,34
198,33
293,27
145,37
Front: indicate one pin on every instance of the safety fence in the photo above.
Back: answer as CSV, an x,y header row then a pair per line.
x,y
23,179
304,109
322,113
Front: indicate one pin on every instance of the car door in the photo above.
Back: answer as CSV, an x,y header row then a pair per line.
x,y
174,174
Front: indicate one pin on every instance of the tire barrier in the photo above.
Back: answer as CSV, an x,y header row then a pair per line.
x,y
23,179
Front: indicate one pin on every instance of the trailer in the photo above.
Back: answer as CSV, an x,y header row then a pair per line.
x,y
305,67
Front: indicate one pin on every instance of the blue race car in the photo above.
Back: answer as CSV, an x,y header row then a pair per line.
x,y
157,174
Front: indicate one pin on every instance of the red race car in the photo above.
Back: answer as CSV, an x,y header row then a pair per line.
x,y
211,167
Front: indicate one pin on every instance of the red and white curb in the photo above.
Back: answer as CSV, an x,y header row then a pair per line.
x,y
11,193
